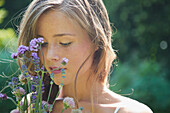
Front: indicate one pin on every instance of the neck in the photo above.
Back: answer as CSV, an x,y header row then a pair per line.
x,y
85,89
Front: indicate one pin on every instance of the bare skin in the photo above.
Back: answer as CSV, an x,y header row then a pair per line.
x,y
105,101
108,105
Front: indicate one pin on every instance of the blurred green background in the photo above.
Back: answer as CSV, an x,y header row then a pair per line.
x,y
141,41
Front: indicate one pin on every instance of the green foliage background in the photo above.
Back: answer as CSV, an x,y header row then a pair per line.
x,y
141,41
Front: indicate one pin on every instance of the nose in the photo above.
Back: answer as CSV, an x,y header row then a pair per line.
x,y
52,55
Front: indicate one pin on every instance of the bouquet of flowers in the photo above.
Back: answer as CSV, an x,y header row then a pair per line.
x,y
28,89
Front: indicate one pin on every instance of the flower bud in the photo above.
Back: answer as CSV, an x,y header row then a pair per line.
x,y
22,78
63,71
14,56
61,84
33,88
14,80
24,67
52,76
3,96
19,91
51,82
68,102
65,61
22,91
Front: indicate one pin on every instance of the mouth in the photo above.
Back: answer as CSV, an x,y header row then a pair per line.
x,y
56,70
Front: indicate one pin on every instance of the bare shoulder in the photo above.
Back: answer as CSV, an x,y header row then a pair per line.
x,y
128,105
133,106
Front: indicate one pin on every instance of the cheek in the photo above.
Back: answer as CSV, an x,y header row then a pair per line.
x,y
79,55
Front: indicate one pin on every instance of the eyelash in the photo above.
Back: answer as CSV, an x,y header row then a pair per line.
x,y
63,44
44,44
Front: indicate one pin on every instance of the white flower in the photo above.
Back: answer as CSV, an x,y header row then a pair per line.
x,y
19,91
22,91
22,78
14,111
68,102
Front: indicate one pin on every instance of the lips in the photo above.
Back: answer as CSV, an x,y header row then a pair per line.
x,y
55,70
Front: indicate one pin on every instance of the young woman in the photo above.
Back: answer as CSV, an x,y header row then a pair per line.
x,y
80,31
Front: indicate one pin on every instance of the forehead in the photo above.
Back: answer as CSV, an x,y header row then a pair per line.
x,y
57,21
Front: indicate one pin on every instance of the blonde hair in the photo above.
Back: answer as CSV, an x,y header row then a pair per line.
x,y
92,17
90,14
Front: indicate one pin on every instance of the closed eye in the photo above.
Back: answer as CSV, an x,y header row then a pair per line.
x,y
65,44
44,44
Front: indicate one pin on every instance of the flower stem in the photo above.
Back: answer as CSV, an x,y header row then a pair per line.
x,y
25,99
49,94
58,92
62,110
4,88
42,75
29,86
55,98
39,91
12,100
18,104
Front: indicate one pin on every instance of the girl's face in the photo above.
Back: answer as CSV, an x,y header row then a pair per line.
x,y
64,37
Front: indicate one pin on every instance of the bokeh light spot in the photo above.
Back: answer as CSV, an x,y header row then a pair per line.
x,y
163,45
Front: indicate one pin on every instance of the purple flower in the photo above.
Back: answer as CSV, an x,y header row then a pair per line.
x,y
34,43
3,96
37,68
14,56
42,67
14,80
65,61
19,90
26,74
36,80
21,50
33,98
24,67
40,40
33,88
68,102
35,58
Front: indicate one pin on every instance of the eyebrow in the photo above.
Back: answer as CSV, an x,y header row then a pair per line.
x,y
60,35
63,34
